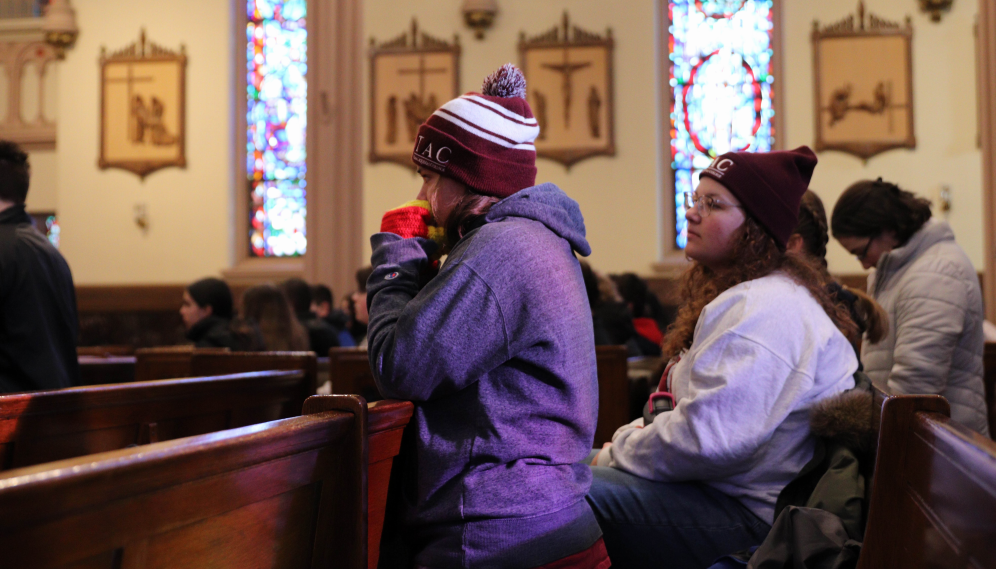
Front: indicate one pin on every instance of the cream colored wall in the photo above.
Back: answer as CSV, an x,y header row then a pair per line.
x,y
944,108
618,196
43,193
189,209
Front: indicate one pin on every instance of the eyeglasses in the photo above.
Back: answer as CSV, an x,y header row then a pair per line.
x,y
706,204
864,252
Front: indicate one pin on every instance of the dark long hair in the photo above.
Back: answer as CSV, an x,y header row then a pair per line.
x,y
869,207
756,255
812,227
467,215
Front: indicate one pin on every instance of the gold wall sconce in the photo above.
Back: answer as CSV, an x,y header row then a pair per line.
x,y
935,8
480,15
59,26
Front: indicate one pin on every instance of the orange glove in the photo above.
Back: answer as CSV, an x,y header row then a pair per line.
x,y
412,219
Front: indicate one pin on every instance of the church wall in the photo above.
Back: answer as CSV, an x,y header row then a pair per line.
x,y
43,193
944,96
618,196
189,210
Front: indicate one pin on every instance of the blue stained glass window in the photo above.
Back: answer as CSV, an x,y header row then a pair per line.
x,y
721,87
276,116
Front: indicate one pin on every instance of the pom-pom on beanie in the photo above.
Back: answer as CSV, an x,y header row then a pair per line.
x,y
770,185
484,140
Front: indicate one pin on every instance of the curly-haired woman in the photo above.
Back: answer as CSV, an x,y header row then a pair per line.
x,y
757,342
930,290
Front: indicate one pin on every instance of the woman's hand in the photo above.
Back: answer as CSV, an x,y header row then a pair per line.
x,y
603,457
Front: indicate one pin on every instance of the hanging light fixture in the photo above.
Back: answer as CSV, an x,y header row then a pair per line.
x,y
59,26
935,8
480,15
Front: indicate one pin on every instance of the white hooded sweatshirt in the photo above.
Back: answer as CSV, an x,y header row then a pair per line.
x,y
764,352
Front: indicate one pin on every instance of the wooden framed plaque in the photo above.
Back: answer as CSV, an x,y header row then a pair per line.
x,y
142,108
569,87
863,85
410,77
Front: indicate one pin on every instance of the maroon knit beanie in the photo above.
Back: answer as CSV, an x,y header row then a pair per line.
x,y
770,185
484,140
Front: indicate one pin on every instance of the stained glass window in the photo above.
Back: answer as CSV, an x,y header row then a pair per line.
x,y
721,87
276,117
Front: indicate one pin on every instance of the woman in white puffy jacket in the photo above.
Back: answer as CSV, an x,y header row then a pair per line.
x,y
930,290
757,343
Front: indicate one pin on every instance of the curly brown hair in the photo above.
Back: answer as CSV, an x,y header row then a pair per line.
x,y
757,256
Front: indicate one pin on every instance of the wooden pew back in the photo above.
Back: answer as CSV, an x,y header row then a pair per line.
x,y
284,494
349,370
105,370
613,392
223,363
386,421
167,362
989,383
43,426
923,468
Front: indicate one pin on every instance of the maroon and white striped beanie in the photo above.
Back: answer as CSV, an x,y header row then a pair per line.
x,y
484,140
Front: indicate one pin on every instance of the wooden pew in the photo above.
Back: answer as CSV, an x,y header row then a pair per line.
x,y
167,362
613,392
219,363
933,497
185,361
287,493
43,426
989,380
105,370
386,421
350,371
284,494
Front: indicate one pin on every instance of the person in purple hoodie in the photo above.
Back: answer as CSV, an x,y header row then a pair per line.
x,y
495,349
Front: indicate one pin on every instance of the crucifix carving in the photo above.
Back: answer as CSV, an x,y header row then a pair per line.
x,y
567,69
136,106
578,64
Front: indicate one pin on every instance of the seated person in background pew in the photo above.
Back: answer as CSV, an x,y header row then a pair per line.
x,y
758,341
359,318
207,314
321,335
321,305
930,291
496,349
38,319
265,307
810,238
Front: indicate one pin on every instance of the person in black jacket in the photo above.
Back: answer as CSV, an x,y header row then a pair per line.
x,y
321,335
38,319
207,315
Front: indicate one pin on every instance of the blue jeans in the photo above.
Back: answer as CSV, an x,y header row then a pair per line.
x,y
679,525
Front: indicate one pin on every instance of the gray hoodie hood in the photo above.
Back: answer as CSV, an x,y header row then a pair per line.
x,y
549,205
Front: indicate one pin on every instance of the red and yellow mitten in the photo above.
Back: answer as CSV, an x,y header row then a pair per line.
x,y
412,219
